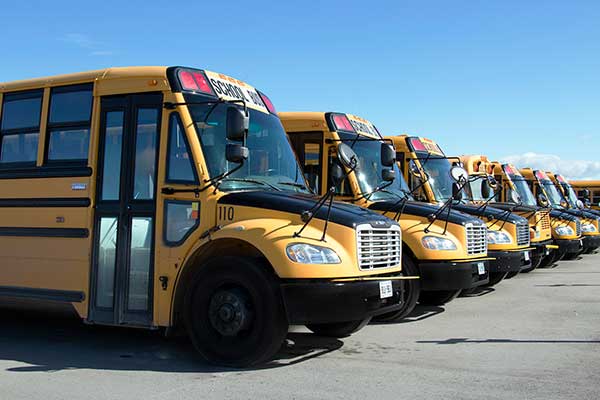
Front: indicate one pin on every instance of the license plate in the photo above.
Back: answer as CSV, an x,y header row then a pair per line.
x,y
385,289
481,268
526,256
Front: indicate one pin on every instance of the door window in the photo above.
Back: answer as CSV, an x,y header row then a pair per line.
x,y
145,154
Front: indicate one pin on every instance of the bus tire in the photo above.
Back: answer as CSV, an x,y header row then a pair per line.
x,y
234,312
496,278
338,329
437,297
412,288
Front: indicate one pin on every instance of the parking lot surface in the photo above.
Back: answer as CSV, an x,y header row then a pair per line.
x,y
536,336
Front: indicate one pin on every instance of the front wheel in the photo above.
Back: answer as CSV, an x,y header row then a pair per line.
x,y
338,329
412,288
234,312
437,297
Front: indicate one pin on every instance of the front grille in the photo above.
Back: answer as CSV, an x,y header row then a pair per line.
x,y
378,247
545,221
578,227
523,234
476,239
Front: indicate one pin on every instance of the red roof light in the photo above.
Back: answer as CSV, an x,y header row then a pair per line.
x,y
417,145
194,81
202,82
541,175
342,123
268,103
187,80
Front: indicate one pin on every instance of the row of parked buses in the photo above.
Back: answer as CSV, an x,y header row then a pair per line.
x,y
179,199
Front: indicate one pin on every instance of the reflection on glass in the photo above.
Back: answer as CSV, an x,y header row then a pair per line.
x,y
139,263
19,148
145,154
113,139
179,219
69,144
107,252
180,161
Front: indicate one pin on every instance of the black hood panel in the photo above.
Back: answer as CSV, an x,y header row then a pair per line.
x,y
488,212
562,215
295,203
421,209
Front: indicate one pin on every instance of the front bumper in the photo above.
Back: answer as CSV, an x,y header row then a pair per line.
x,y
568,246
453,275
318,302
509,261
591,242
540,249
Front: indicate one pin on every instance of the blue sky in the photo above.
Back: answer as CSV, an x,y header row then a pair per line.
x,y
503,78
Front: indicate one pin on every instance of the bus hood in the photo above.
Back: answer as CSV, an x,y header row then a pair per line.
x,y
421,209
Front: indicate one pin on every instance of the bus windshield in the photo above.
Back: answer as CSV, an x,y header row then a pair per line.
x,y
440,181
370,167
522,189
552,193
476,186
571,197
271,163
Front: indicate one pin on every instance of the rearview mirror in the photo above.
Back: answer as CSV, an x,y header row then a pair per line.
x,y
485,189
585,193
456,191
236,153
388,175
336,172
492,181
459,174
542,200
580,204
388,155
347,156
237,124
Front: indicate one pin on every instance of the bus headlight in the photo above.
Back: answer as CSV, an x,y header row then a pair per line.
x,y
563,231
310,254
497,237
588,228
437,243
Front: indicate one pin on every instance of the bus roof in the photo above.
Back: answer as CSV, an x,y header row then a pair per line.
x,y
586,183
305,121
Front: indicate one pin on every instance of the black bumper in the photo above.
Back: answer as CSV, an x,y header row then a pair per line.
x,y
452,275
591,242
317,302
508,261
568,246
540,249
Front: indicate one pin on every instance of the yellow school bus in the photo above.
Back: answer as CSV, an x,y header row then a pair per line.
x,y
492,183
590,219
588,192
439,179
159,197
446,248
566,228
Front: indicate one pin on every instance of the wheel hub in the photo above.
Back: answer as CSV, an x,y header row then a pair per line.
x,y
228,312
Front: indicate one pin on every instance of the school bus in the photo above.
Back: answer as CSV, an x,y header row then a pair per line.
x,y
590,219
439,179
566,228
446,249
491,182
162,197
588,192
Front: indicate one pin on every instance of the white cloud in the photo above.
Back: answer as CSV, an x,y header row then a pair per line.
x,y
85,42
570,169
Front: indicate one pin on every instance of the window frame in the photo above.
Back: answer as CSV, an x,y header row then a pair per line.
x,y
165,218
21,95
196,181
68,126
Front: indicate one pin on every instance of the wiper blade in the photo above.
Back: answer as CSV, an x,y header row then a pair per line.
x,y
252,181
294,184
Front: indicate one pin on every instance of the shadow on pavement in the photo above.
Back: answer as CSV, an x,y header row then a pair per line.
x,y
567,285
466,340
477,291
48,342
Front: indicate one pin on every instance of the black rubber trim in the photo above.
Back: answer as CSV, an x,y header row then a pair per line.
x,y
47,202
68,296
45,172
452,275
506,261
45,232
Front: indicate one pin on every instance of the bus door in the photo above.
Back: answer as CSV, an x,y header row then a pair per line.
x,y
123,261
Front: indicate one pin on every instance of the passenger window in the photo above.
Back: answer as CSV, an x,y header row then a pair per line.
x,y
312,165
180,164
19,127
181,218
69,124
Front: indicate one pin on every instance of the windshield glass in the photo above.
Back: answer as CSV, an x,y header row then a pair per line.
x,y
271,162
440,181
552,192
370,167
571,197
523,190
478,185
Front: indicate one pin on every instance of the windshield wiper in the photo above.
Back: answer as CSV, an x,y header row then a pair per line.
x,y
294,184
249,181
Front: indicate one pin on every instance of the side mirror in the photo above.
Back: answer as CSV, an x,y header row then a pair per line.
x,y
347,156
237,124
456,191
236,153
580,204
388,155
459,174
485,189
413,169
585,193
336,173
492,181
388,175
542,200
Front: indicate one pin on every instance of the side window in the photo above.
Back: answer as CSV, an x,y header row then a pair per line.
x,y
69,124
312,165
181,219
20,127
180,166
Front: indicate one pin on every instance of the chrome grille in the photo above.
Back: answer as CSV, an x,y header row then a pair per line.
x,y
476,239
578,227
522,234
378,247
